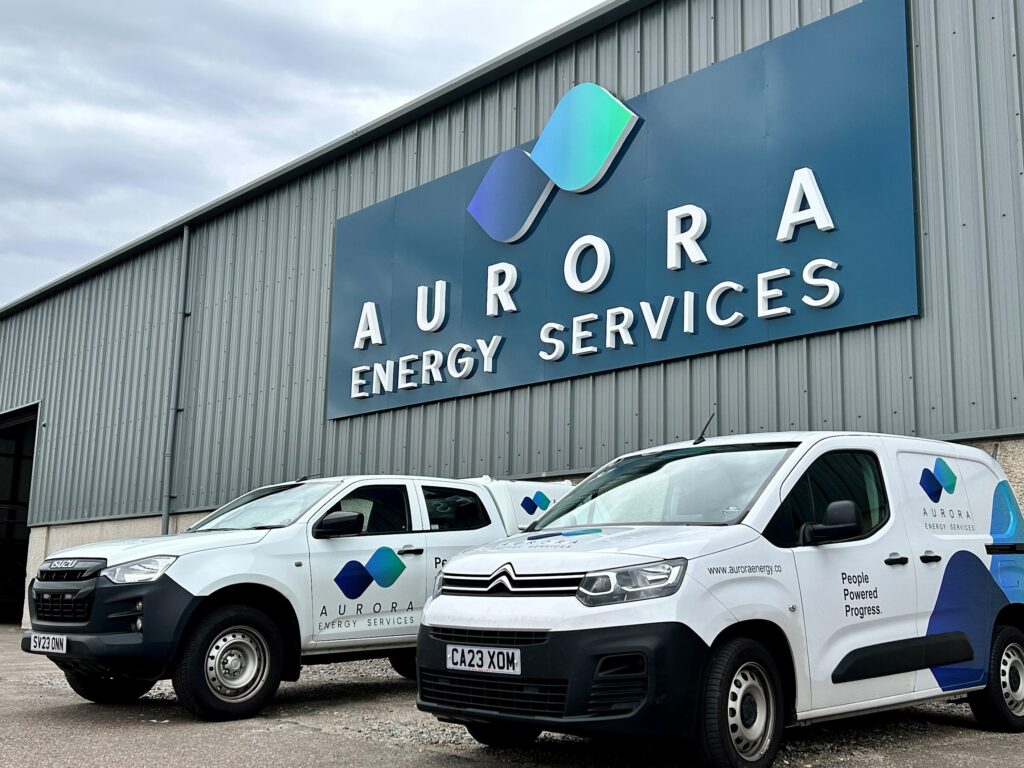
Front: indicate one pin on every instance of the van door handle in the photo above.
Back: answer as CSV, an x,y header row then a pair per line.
x,y
410,550
930,557
897,559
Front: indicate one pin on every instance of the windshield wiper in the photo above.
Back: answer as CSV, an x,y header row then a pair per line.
x,y
264,527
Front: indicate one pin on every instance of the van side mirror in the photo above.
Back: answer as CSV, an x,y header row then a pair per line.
x,y
842,522
338,523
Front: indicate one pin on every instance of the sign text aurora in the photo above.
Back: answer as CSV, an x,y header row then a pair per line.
x,y
767,197
612,327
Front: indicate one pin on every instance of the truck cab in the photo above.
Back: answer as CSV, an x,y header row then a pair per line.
x,y
305,572
714,592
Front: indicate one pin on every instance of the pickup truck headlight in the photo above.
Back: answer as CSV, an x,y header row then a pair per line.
x,y
137,571
638,582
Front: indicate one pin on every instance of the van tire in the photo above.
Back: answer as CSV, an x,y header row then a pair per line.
x,y
107,690
1000,706
230,664
742,707
404,663
503,735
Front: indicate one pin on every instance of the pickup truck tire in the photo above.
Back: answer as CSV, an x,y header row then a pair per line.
x,y
230,664
404,663
741,720
107,690
1000,706
503,735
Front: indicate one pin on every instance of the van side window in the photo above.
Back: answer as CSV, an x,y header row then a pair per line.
x,y
385,508
453,509
838,476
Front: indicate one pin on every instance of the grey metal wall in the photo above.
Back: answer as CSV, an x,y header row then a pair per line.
x,y
256,344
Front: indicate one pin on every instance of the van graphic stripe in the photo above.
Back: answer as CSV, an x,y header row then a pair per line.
x,y
901,656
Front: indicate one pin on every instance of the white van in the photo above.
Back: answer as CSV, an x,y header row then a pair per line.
x,y
714,592
308,572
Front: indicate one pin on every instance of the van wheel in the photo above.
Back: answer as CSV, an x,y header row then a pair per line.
x,y
404,663
503,735
230,664
107,690
742,717
1000,706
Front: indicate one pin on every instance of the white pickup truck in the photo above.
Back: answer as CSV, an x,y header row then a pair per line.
x,y
305,572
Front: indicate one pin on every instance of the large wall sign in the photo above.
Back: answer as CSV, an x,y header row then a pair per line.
x,y
766,197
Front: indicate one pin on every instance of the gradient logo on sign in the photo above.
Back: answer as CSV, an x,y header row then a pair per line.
x,y
574,151
384,567
537,501
935,481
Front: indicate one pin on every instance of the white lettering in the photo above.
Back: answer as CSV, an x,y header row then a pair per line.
x,y
431,373
368,329
803,187
502,279
832,287
383,377
580,334
657,327
765,294
547,336
405,373
489,351
358,382
434,323
688,312
712,304
571,264
678,241
619,320
460,366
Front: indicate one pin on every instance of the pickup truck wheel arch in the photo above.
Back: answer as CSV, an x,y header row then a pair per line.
x,y
265,599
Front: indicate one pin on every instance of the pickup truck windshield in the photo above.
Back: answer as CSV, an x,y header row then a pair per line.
x,y
273,507
713,485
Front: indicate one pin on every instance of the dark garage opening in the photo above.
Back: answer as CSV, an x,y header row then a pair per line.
x,y
17,446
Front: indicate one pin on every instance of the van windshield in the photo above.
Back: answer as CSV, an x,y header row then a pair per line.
x,y
713,485
273,507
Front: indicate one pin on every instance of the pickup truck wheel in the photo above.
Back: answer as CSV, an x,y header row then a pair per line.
x,y
107,690
503,735
230,664
1000,706
742,720
404,663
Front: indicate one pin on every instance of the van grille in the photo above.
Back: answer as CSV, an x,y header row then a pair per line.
x,y
62,606
506,582
504,637
519,697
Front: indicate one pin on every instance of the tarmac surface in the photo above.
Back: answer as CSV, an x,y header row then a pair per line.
x,y
362,714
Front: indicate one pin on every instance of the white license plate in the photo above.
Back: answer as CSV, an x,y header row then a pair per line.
x,y
53,644
498,661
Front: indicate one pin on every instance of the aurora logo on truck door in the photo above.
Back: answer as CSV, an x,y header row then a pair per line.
x,y
384,567
767,197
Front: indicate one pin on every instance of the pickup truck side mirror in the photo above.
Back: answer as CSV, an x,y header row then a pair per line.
x,y
842,521
338,523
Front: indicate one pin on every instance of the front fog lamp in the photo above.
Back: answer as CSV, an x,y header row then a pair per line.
x,y
138,571
639,582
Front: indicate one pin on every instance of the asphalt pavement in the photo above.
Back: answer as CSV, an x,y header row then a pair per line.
x,y
361,714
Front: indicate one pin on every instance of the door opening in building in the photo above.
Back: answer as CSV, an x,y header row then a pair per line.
x,y
17,448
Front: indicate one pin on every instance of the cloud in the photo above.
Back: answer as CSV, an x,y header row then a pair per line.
x,y
117,117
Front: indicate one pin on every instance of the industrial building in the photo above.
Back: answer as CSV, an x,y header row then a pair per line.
x,y
435,293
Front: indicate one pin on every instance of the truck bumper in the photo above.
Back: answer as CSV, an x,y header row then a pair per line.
x,y
101,637
639,680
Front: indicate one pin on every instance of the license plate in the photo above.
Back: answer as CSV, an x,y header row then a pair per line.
x,y
498,661
53,644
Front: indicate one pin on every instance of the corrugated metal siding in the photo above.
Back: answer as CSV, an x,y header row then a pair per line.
x,y
253,385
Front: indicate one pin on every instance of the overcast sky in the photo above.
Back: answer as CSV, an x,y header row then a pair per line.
x,y
116,117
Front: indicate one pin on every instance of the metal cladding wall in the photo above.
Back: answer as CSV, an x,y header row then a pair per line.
x,y
98,354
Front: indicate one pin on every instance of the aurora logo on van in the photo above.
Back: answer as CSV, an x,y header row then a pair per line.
x,y
384,567
935,481
574,151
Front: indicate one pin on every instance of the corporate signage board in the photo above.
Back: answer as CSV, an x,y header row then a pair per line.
x,y
767,197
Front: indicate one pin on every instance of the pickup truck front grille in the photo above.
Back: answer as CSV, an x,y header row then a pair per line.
x,y
62,607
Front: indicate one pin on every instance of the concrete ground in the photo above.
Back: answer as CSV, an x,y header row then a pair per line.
x,y
362,713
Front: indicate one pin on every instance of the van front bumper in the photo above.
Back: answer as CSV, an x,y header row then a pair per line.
x,y
100,628
641,680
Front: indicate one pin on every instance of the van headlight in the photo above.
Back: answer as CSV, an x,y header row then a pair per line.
x,y
137,571
438,581
638,582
